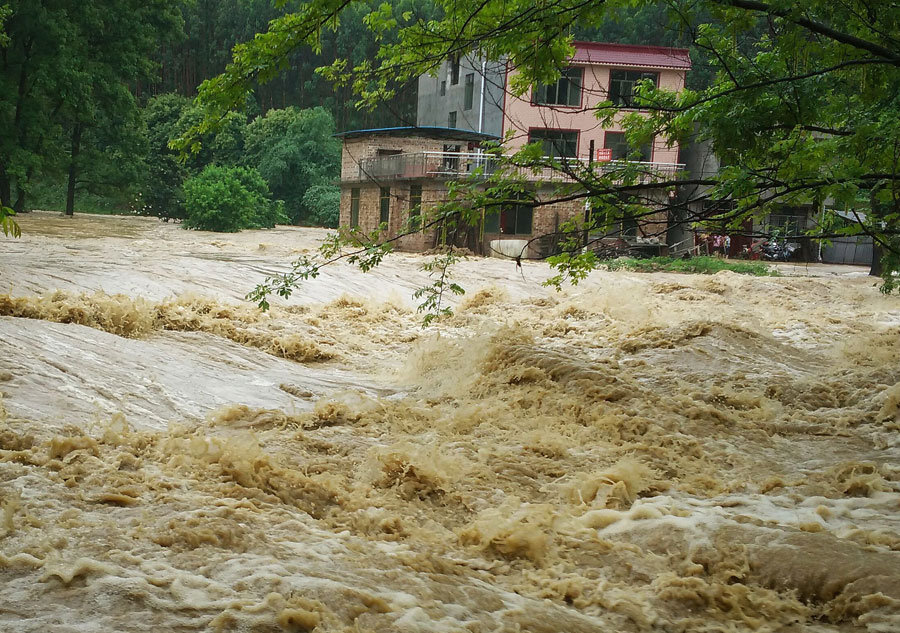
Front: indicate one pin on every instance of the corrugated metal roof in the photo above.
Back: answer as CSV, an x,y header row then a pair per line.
x,y
426,131
631,56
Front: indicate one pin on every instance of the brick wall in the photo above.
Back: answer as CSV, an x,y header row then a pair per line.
x,y
546,218
433,193
357,149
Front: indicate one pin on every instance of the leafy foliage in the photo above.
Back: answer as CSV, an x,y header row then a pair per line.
x,y
213,27
162,193
9,226
294,150
168,116
229,199
66,106
323,205
5,12
433,296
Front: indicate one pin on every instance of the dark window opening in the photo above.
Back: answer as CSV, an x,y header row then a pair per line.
x,y
629,226
451,119
443,88
470,92
512,219
555,143
385,205
354,207
415,205
454,70
622,82
621,150
565,92
451,157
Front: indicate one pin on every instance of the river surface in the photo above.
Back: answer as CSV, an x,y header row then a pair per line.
x,y
638,453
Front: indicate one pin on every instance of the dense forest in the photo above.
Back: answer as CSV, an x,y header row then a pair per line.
x,y
91,93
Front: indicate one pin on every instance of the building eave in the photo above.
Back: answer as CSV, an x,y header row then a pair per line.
x,y
451,134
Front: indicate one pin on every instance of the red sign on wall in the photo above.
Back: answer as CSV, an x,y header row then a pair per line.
x,y
604,155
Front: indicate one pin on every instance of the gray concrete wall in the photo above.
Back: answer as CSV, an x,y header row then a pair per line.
x,y
700,162
849,250
434,109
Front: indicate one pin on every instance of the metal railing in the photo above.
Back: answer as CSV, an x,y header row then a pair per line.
x,y
455,165
426,165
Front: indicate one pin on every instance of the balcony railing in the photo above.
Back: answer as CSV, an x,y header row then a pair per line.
x,y
456,165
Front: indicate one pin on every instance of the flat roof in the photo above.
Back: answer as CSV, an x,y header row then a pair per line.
x,y
449,133
631,55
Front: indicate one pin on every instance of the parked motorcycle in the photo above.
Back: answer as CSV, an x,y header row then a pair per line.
x,y
776,251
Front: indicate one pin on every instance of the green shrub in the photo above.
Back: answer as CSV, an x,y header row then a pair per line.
x,y
704,265
162,191
229,199
323,205
294,151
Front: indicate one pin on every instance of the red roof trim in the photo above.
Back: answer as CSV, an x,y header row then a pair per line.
x,y
631,55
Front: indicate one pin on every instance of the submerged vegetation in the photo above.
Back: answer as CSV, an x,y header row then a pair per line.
x,y
230,199
703,264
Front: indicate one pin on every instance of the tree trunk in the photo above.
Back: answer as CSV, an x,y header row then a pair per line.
x,y
678,233
73,169
19,206
5,188
876,269
875,213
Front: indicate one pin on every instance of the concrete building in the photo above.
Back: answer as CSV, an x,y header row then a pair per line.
x,y
390,175
465,94
394,175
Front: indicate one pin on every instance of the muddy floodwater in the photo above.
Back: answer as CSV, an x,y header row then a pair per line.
x,y
639,453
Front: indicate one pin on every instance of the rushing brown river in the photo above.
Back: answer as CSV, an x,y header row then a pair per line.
x,y
638,453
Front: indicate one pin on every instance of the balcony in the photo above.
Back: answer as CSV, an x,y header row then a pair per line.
x,y
458,165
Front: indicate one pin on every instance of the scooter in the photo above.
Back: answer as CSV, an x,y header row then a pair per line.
x,y
776,251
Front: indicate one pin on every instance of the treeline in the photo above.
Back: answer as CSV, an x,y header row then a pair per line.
x,y
213,27
66,108
91,91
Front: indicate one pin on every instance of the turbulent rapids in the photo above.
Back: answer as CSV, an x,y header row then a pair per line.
x,y
639,453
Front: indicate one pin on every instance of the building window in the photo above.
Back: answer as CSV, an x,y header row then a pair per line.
x,y
385,205
565,92
555,143
513,219
454,70
621,150
621,85
443,88
415,206
354,207
451,157
470,91
451,119
629,225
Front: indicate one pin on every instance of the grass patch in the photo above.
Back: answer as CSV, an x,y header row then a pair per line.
x,y
702,265
52,197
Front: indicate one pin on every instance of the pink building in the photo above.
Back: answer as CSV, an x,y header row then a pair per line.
x,y
563,115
